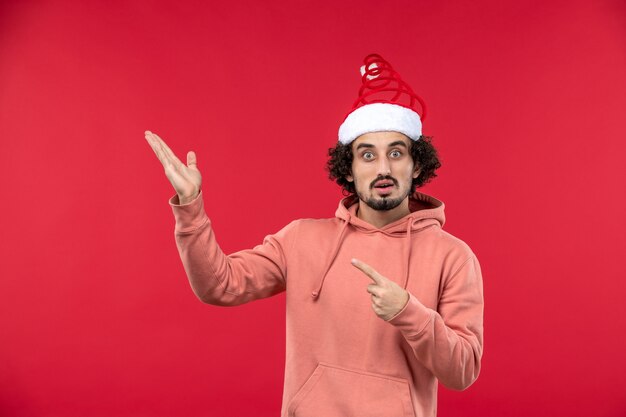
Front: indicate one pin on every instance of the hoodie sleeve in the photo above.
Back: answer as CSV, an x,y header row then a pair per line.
x,y
449,341
227,280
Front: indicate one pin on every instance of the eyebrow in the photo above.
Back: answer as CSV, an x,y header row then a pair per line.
x,y
391,145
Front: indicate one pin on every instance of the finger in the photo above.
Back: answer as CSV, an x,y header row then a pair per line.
x,y
192,161
374,290
368,270
154,144
173,159
156,147
151,142
170,155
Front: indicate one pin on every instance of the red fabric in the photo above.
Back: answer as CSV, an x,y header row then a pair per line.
x,y
382,84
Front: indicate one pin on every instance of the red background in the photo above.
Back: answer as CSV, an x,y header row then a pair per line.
x,y
526,102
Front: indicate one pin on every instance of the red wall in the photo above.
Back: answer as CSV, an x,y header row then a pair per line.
x,y
526,102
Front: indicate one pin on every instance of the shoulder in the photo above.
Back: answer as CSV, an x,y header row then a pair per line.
x,y
453,252
303,237
454,243
461,261
311,233
316,226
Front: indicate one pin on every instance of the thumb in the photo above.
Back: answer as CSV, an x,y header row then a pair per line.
x,y
192,162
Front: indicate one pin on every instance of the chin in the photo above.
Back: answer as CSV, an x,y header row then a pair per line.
x,y
383,203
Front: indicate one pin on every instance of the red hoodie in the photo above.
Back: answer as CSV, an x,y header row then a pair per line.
x,y
342,359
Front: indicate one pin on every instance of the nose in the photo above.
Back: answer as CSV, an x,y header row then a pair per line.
x,y
384,167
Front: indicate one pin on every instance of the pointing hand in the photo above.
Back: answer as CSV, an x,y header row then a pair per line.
x,y
186,180
388,298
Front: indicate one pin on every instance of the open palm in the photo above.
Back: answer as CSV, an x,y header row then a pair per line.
x,y
186,179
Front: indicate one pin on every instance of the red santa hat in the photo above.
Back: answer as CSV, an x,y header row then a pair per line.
x,y
385,103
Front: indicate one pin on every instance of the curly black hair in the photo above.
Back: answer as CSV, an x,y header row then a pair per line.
x,y
424,154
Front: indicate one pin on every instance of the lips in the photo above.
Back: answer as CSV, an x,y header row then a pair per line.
x,y
384,187
383,184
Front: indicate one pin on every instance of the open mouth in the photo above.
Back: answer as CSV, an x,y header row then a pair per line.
x,y
383,184
384,187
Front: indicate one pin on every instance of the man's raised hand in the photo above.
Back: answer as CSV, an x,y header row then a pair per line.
x,y
185,179
388,298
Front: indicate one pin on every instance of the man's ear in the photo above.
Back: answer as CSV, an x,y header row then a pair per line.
x,y
416,172
349,178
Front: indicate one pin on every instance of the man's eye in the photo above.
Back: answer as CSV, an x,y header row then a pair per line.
x,y
396,154
368,155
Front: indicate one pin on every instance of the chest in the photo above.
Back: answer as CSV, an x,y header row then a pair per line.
x,y
344,284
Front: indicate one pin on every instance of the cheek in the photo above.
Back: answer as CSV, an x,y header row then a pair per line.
x,y
407,170
407,173
360,176
358,170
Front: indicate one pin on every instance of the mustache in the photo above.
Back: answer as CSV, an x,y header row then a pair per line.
x,y
386,177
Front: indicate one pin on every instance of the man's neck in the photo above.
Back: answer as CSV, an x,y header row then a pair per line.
x,y
381,218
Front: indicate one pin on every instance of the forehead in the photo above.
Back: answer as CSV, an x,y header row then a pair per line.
x,y
381,139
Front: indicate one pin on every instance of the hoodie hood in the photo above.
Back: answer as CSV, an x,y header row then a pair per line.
x,y
425,211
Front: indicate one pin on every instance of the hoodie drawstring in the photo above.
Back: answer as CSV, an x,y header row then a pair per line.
x,y
315,294
407,252
407,255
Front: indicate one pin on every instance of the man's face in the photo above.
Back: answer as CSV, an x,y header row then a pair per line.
x,y
382,169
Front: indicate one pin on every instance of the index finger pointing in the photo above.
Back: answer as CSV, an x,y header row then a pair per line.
x,y
367,270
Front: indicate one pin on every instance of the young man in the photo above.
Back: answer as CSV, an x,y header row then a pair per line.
x,y
350,352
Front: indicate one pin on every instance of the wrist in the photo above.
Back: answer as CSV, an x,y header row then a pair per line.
x,y
182,200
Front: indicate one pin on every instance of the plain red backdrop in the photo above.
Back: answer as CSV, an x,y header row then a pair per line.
x,y
526,102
